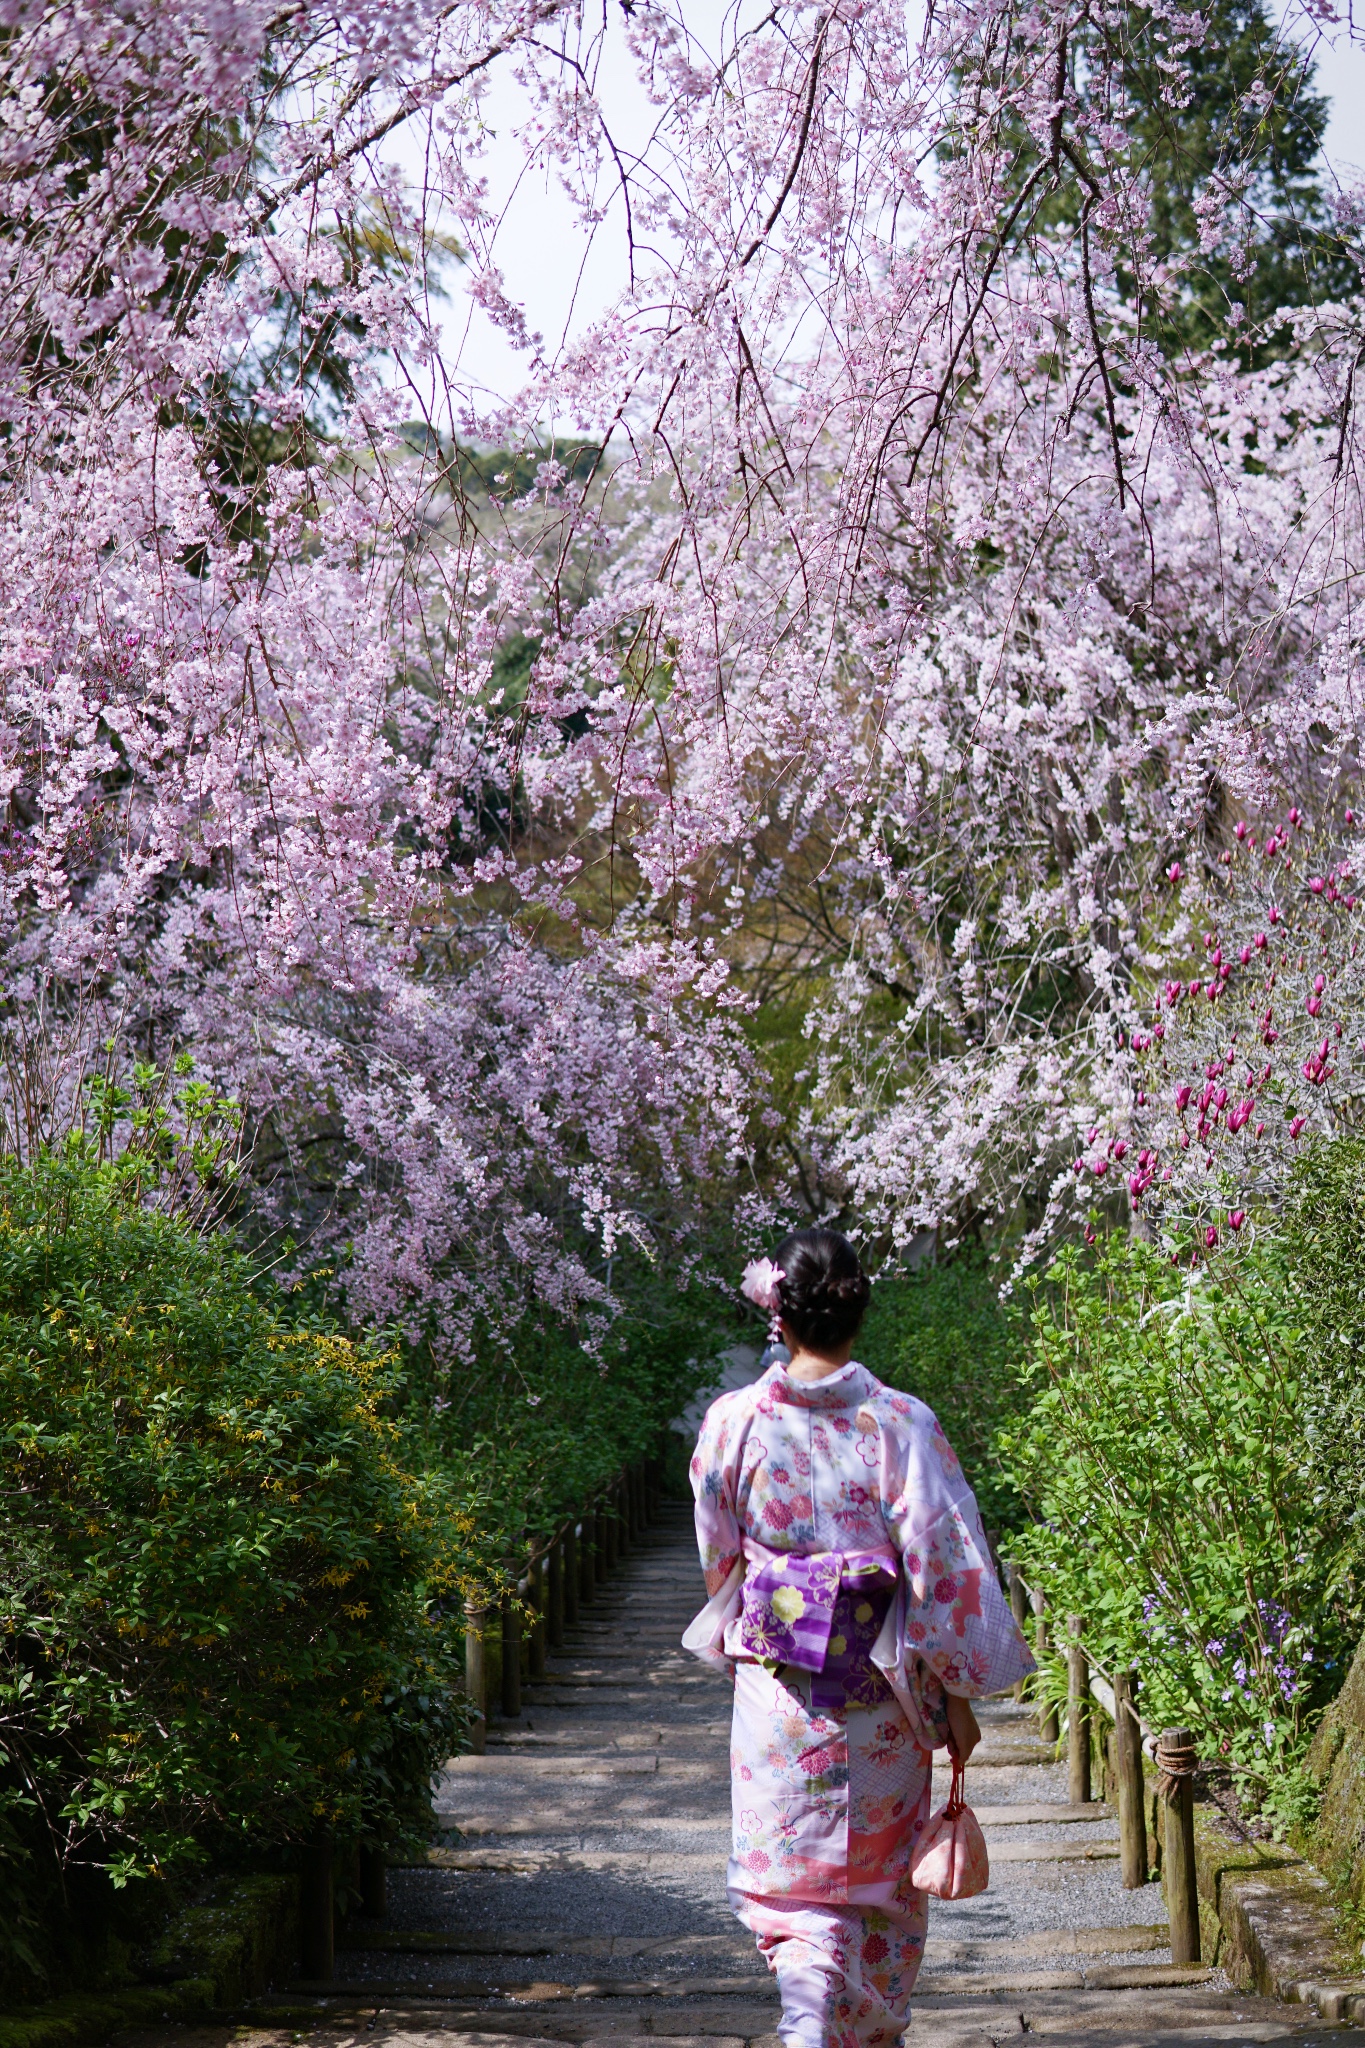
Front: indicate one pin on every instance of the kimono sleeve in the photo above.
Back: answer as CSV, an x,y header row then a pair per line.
x,y
713,1474
957,1620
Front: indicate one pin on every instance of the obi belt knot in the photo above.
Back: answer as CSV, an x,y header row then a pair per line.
x,y
822,1614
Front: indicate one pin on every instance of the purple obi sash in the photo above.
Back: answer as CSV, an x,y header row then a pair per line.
x,y
822,1614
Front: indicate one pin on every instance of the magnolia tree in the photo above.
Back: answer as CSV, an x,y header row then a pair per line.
x,y
921,587
1259,1046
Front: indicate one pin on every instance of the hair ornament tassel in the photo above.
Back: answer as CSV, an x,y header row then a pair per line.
x,y
762,1285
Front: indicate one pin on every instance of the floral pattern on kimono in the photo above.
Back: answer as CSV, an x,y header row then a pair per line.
x,y
830,1769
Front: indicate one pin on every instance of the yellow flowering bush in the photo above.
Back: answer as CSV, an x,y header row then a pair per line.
x,y
221,1577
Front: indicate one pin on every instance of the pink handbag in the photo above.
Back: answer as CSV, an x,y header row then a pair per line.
x,y
950,1861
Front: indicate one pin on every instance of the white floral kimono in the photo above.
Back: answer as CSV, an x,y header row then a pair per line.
x,y
851,1585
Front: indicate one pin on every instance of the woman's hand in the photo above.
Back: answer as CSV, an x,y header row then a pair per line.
x,y
964,1731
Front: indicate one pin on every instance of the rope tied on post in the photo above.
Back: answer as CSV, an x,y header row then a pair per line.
x,y
1176,1762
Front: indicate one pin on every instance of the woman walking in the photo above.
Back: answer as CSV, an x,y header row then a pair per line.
x,y
854,1599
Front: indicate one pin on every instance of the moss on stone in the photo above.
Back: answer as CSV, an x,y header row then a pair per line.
x,y
211,1955
238,1940
1274,1911
1337,1762
87,2016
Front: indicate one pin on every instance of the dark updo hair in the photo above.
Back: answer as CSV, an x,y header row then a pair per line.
x,y
825,1293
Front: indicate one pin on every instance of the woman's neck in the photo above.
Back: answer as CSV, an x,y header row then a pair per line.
x,y
813,1365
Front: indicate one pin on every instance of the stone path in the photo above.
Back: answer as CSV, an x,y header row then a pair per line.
x,y
579,1896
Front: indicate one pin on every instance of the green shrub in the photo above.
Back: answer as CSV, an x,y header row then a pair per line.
x,y
944,1334
528,1436
1324,1228
1164,1459
219,1578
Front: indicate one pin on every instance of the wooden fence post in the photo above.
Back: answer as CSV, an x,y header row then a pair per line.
x,y
1077,1717
476,1675
374,1884
573,1575
1047,1715
554,1595
1175,1757
535,1593
317,1910
588,1573
1018,1608
511,1656
1131,1789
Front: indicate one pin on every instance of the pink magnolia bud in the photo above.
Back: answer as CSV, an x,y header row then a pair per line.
x,y
1195,987
1297,1126
1295,815
1316,884
1135,1186
1077,1165
1182,1098
1261,942
1236,1218
1319,983
1350,815
1260,1130
1184,1141
1314,1005
1240,828
1275,913
1245,956
1210,1237
1119,1148
1174,871
1099,1168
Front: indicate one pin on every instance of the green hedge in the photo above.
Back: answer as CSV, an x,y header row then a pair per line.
x,y
1164,1460
944,1334
1324,1232
221,1573
533,1430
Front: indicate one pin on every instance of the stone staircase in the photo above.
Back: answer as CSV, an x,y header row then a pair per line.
x,y
578,1891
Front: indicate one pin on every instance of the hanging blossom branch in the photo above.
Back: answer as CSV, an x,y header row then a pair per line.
x,y
878,581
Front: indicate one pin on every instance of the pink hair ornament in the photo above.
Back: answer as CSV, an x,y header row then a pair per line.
x,y
762,1285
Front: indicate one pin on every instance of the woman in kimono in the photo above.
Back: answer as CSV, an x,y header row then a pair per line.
x,y
854,1600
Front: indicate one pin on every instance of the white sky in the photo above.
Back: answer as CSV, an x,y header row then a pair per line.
x,y
563,279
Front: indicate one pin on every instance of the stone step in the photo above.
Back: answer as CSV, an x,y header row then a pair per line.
x,y
624,1741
